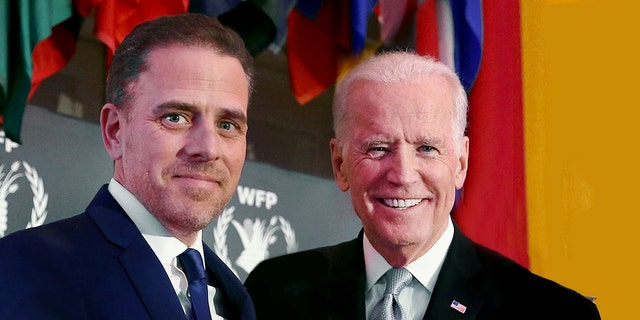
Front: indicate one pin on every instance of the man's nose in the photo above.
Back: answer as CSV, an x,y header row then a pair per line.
x,y
404,167
203,143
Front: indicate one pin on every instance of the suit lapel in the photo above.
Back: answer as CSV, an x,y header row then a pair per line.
x,y
236,301
140,263
456,283
348,281
151,282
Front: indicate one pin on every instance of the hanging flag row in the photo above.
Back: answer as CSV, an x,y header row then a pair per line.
x,y
323,39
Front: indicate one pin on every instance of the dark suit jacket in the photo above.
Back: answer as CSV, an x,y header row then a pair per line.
x,y
329,283
97,265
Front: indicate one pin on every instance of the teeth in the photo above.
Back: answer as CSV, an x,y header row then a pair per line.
x,y
401,203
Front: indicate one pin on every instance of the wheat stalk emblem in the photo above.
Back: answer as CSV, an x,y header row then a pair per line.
x,y
8,186
220,236
256,236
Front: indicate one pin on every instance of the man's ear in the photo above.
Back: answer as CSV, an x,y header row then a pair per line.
x,y
336,163
111,120
463,160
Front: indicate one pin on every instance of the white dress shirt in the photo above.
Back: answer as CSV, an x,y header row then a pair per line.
x,y
164,245
414,298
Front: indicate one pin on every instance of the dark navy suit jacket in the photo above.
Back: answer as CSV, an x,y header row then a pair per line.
x,y
97,265
329,283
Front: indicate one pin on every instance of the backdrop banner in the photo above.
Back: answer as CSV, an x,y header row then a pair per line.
x,y
62,163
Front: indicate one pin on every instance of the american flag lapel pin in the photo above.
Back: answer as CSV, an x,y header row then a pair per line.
x,y
458,306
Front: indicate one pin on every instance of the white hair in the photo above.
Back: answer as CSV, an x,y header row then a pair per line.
x,y
398,67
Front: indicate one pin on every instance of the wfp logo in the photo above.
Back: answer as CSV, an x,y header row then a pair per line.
x,y
8,185
256,235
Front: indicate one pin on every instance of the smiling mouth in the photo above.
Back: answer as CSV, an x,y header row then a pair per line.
x,y
401,203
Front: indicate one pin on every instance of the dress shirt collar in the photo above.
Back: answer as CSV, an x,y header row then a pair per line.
x,y
165,246
425,269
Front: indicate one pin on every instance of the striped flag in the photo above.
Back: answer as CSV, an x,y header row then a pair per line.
x,y
480,40
321,35
492,209
315,45
458,306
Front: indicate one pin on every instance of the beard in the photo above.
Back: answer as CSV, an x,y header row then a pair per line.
x,y
186,210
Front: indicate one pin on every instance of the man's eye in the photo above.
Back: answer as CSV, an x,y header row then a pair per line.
x,y
175,118
228,125
377,152
426,148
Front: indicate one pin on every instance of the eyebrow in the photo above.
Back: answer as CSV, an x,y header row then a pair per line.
x,y
374,142
234,114
378,140
224,112
174,105
431,141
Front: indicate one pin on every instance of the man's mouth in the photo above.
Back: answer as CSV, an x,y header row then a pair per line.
x,y
197,177
401,203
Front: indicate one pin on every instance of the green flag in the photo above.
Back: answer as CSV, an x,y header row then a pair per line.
x,y
23,24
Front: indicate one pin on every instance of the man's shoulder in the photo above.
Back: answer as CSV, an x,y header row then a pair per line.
x,y
47,234
320,283
316,263
526,290
56,232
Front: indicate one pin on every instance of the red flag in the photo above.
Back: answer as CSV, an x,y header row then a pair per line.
x,y
53,53
493,206
116,18
314,48
427,29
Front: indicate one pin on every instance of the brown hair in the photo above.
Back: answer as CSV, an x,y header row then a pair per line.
x,y
189,29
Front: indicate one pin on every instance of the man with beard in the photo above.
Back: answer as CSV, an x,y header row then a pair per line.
x,y
175,124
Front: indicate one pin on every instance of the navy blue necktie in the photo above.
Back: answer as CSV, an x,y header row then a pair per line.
x,y
191,263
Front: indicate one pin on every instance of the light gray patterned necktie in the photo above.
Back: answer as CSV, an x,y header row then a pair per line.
x,y
389,308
